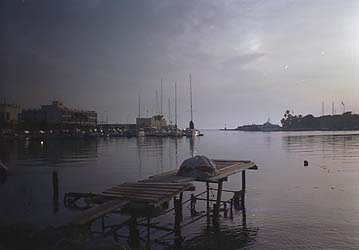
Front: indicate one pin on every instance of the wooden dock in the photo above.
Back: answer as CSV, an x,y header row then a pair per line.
x,y
225,169
150,197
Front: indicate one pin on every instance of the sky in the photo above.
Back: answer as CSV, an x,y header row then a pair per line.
x,y
250,60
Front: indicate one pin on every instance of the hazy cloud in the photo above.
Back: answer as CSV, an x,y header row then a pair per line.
x,y
269,55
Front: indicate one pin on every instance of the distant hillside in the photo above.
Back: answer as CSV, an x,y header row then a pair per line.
x,y
346,121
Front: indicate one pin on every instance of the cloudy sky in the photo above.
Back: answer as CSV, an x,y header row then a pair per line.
x,y
249,60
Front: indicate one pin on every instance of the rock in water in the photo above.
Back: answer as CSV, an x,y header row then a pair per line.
x,y
198,167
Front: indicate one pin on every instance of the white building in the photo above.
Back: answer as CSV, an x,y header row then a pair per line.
x,y
10,113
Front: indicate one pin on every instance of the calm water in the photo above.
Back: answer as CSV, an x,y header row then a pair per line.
x,y
288,206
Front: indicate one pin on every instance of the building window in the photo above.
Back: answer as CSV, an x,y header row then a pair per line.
x,y
2,116
7,116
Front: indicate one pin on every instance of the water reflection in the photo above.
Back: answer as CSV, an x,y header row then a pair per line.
x,y
315,208
55,189
223,236
334,146
48,153
191,146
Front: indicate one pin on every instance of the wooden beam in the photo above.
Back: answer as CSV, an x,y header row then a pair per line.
x,y
92,214
124,197
153,189
230,170
143,191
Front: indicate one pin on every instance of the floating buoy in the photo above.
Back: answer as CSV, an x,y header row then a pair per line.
x,y
306,163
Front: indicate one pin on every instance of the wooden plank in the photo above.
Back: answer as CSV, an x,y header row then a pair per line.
x,y
142,190
150,203
140,195
230,161
180,190
173,178
239,165
162,185
92,214
225,163
136,194
137,198
159,184
172,172
158,188
170,178
230,170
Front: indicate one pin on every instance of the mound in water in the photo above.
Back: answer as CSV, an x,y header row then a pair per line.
x,y
198,167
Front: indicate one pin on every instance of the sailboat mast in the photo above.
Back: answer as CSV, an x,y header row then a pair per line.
x,y
190,89
176,104
161,95
139,106
157,108
169,111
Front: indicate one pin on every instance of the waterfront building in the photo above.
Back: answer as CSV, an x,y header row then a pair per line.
x,y
154,122
158,122
9,113
145,123
58,114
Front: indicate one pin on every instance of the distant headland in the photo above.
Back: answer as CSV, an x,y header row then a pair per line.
x,y
292,122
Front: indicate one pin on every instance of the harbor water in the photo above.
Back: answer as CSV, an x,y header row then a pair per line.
x,y
288,205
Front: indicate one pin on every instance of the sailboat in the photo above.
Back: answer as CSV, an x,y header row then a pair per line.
x,y
176,132
191,131
140,131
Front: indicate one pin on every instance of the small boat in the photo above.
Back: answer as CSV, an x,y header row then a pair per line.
x,y
141,133
175,133
191,131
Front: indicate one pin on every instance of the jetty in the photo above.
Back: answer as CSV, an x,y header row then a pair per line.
x,y
149,198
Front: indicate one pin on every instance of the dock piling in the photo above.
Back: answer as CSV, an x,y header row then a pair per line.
x,y
134,236
225,211
208,207
231,209
193,205
243,188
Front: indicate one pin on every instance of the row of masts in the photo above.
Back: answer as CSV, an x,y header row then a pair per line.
x,y
334,110
191,124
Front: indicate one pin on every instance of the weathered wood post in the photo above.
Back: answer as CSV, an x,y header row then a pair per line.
x,y
215,214
219,194
231,211
244,217
133,231
148,242
178,218
208,207
216,207
243,189
193,205
225,212
237,197
178,211
180,206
